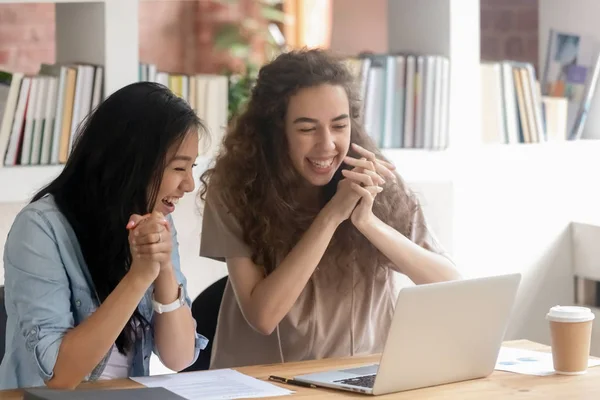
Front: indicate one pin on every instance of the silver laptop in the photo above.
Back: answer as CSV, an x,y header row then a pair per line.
x,y
440,333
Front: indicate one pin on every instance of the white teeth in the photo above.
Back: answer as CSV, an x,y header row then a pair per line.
x,y
172,200
322,164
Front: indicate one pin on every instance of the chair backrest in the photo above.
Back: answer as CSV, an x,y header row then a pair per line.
x,y
2,323
205,310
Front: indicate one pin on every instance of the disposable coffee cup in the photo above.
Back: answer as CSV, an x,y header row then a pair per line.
x,y
571,334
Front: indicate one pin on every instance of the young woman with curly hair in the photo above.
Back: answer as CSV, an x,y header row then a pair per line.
x,y
311,220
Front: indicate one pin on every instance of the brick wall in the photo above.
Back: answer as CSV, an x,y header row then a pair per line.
x,y
177,35
26,36
509,30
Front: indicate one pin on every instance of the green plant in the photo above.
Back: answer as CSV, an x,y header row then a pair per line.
x,y
240,86
238,39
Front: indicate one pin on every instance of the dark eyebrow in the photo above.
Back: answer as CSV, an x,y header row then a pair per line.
x,y
181,158
314,121
340,117
305,119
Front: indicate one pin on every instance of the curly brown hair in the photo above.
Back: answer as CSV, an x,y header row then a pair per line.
x,y
257,183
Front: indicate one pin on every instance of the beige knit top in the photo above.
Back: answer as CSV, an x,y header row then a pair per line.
x,y
340,317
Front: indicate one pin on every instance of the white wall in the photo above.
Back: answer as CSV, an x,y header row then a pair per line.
x,y
513,210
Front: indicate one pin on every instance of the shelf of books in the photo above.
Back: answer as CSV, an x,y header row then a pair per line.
x,y
421,100
406,99
96,53
42,113
515,110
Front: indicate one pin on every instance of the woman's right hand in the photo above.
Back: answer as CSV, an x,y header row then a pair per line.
x,y
343,202
147,253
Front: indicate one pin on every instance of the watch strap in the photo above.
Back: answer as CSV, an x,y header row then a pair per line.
x,y
163,308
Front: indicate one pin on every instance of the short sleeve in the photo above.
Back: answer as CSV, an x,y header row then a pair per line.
x,y
36,283
421,234
222,235
200,342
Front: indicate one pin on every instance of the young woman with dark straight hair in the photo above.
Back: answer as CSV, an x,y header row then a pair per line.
x,y
92,276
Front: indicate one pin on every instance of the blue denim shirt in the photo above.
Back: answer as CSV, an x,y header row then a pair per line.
x,y
48,291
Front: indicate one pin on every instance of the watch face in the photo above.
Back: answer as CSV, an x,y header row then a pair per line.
x,y
181,294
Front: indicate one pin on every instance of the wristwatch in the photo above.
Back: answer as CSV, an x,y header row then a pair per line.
x,y
163,308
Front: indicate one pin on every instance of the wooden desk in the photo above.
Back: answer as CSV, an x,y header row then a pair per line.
x,y
499,385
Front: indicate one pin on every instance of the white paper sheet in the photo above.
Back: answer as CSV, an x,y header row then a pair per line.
x,y
529,362
213,384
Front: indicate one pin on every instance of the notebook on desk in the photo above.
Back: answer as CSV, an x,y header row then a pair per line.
x,y
98,394
440,333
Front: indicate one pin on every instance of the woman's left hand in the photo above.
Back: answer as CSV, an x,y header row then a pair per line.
x,y
150,238
381,167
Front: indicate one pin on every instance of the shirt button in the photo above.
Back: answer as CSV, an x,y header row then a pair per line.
x,y
33,331
78,303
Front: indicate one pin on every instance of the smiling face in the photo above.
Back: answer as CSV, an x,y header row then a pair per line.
x,y
177,178
317,128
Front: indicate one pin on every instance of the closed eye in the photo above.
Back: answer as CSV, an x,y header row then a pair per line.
x,y
307,129
340,126
183,169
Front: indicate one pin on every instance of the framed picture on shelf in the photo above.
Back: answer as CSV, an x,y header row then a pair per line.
x,y
571,71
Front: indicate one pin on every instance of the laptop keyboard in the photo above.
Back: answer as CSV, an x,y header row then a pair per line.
x,y
362,381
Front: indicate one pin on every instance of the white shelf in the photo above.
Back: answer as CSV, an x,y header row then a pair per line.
x,y
418,165
567,160
20,183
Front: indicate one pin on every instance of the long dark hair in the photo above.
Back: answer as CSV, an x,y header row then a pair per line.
x,y
256,181
115,169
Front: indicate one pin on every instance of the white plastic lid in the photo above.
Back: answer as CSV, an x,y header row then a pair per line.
x,y
570,314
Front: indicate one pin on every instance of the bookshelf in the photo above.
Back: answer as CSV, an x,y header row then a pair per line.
x,y
448,28
106,32
101,32
98,32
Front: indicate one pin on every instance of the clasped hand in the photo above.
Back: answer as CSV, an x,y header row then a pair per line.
x,y
362,184
150,243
